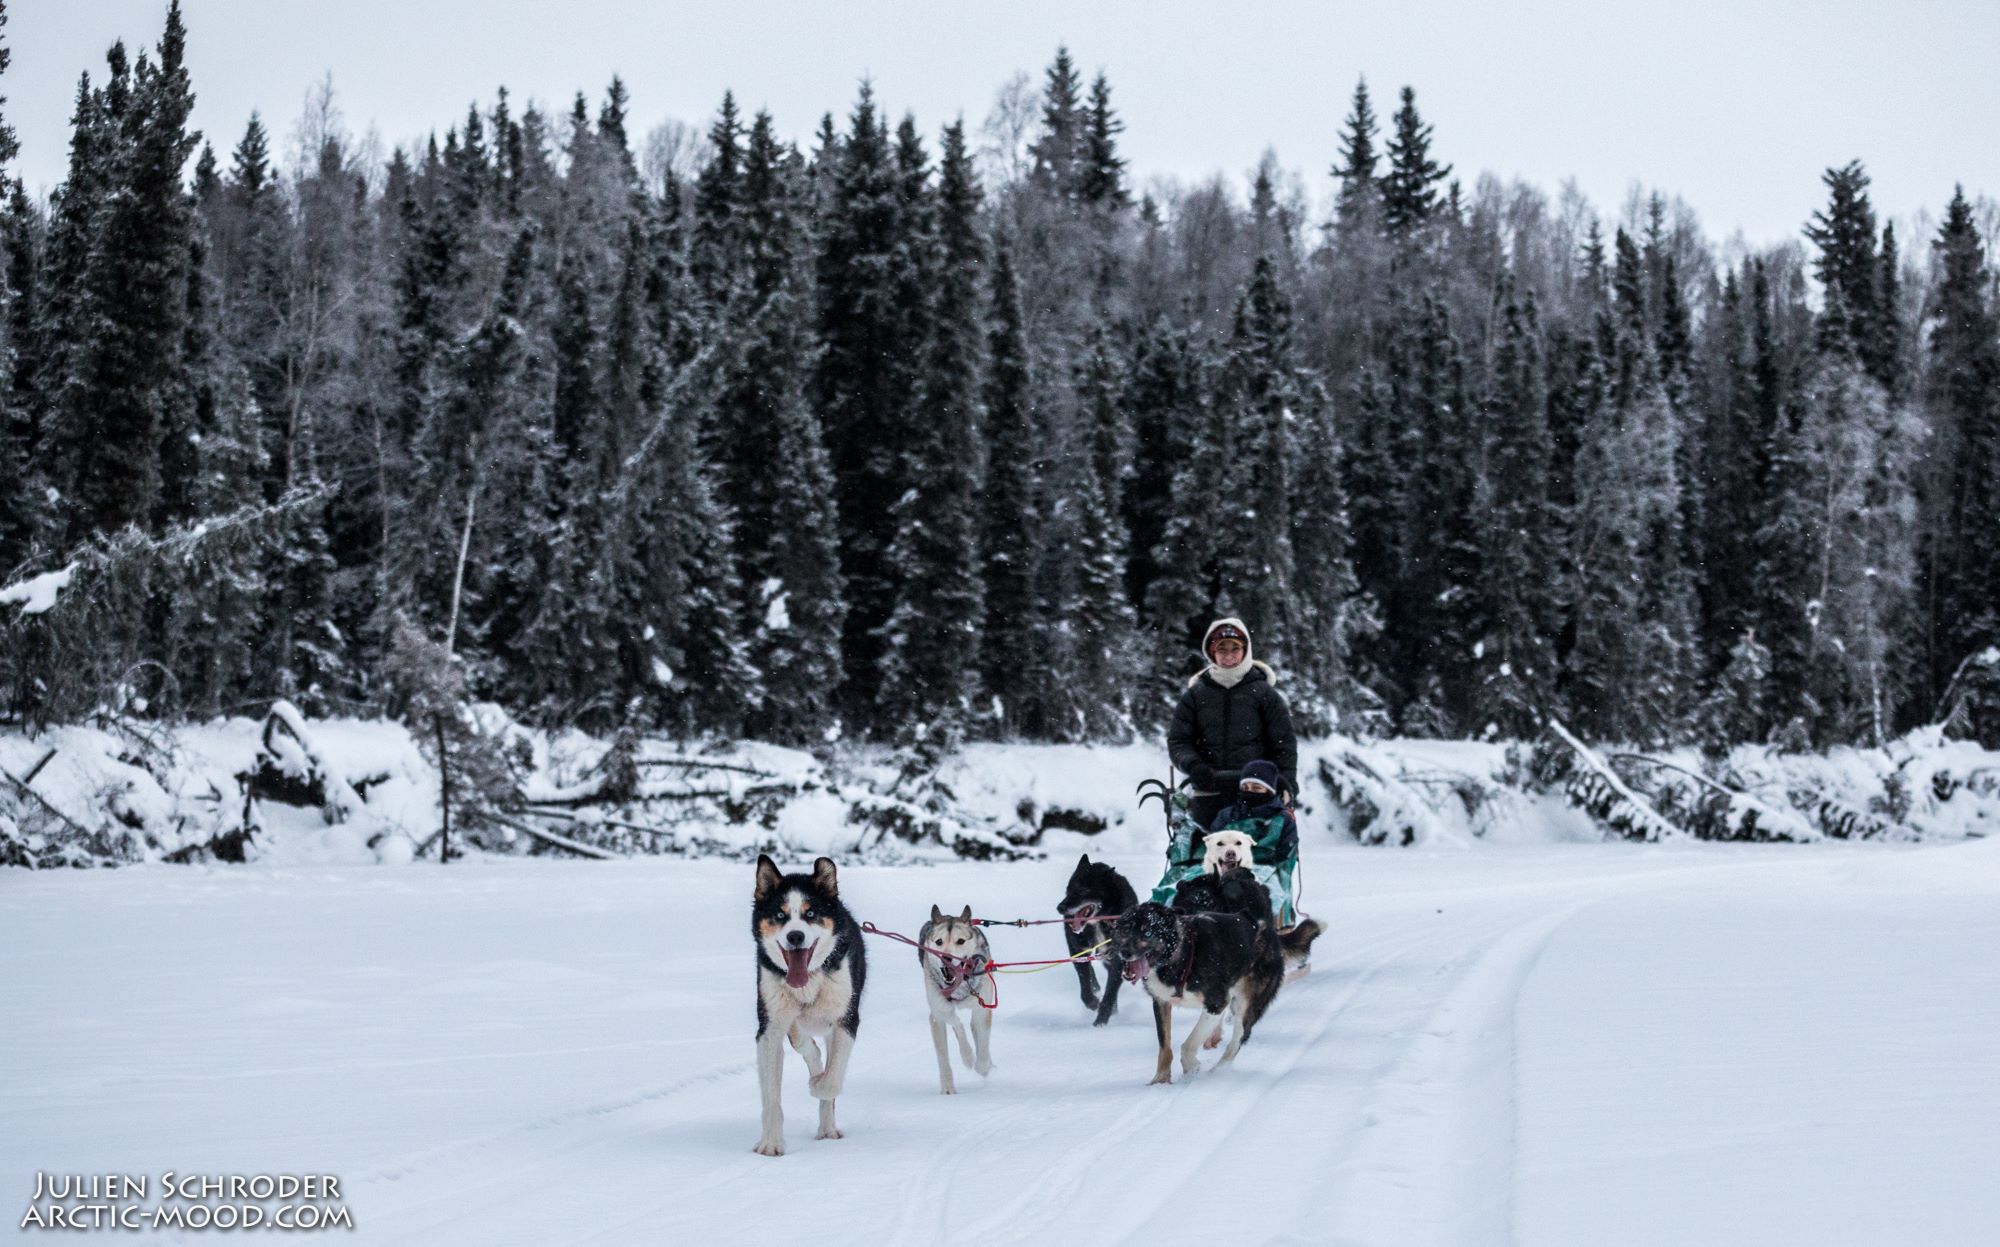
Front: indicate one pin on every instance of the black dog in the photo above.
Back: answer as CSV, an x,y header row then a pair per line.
x,y
1213,961
1229,892
1096,892
1238,892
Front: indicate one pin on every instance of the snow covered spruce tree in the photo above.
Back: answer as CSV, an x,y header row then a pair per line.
x,y
766,442
1378,512
1429,605
20,508
1344,304
1851,457
1782,551
1083,658
932,561
1257,398
669,544
1187,593
1632,604
864,384
1514,656
120,243
1166,398
114,384
1009,528
1729,454
1332,612
1410,197
219,467
1962,396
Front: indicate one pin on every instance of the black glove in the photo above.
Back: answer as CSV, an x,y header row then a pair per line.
x,y
1203,776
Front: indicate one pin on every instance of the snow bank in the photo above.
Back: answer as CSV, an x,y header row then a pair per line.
x,y
289,791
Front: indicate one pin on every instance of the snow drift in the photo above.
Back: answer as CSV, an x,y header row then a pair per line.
x,y
285,790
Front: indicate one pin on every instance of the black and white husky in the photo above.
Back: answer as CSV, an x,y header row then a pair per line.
x,y
1208,960
955,956
810,968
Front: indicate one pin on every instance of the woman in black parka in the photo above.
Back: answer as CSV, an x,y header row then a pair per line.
x,y
1231,714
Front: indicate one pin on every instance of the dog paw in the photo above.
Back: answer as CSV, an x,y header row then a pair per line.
x,y
1105,1016
824,1087
770,1147
829,1134
1161,1080
1090,1002
983,1068
948,1089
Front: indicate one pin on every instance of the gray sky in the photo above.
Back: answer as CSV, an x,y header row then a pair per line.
x,y
1737,107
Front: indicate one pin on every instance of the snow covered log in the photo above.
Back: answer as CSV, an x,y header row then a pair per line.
x,y
1843,822
290,770
1380,810
914,825
1593,787
1710,809
550,838
61,841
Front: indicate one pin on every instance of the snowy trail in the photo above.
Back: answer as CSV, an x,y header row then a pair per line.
x,y
560,1053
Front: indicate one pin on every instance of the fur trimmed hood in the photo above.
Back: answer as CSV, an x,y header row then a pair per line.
x,y
1229,677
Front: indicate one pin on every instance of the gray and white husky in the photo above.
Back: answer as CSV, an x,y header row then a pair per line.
x,y
954,956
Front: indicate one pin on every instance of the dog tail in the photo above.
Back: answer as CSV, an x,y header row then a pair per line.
x,y
1298,941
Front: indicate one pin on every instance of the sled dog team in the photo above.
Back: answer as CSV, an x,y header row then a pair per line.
x,y
1216,949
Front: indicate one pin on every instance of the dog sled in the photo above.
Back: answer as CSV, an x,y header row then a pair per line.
x,y
1274,853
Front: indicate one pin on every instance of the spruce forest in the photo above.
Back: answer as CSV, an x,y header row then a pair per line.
x,y
926,434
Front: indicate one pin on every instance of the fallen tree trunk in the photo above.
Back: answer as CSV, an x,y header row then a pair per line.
x,y
1716,811
1593,787
551,838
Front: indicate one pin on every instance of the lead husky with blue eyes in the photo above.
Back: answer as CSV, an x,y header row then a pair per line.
x,y
810,968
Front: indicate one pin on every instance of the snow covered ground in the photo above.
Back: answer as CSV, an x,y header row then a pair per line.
x,y
1592,1044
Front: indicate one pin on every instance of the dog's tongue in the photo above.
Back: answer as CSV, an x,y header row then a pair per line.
x,y
1136,969
795,966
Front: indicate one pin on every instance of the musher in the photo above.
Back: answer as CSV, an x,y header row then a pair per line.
x,y
1230,715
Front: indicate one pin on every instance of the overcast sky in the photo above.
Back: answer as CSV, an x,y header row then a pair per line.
x,y
1736,105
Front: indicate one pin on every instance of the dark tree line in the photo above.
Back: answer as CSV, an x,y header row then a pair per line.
x,y
855,440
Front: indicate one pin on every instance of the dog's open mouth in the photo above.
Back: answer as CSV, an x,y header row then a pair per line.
x,y
797,965
1081,917
1136,969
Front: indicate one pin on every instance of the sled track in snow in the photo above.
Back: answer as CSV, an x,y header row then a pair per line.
x,y
1224,1104
1445,1096
1391,1065
1430,1160
508,1166
423,1160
